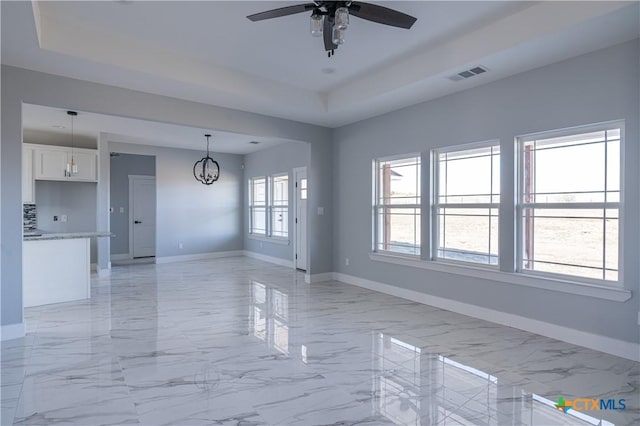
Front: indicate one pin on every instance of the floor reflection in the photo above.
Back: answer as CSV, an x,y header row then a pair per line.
x,y
416,387
269,316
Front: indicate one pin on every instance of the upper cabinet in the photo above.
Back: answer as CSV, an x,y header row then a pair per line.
x,y
28,190
50,163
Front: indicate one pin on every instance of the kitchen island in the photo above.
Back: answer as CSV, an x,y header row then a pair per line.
x,y
56,267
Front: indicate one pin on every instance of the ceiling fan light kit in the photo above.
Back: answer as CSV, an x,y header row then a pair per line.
x,y
316,24
341,18
330,19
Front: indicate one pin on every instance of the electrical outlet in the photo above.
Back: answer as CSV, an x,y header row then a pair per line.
x,y
180,246
346,261
55,218
320,211
121,209
63,218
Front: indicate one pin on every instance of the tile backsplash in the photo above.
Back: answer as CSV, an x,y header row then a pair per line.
x,y
29,217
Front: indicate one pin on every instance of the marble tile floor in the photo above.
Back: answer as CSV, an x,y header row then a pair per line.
x,y
238,341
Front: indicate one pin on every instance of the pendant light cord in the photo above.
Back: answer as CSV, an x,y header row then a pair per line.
x,y
72,141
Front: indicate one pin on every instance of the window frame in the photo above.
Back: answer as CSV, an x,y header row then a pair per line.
x,y
252,205
376,205
520,205
268,207
271,206
434,204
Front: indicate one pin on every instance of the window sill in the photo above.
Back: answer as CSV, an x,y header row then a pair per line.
x,y
616,294
274,240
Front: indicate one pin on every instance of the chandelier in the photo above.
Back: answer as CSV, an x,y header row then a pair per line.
x,y
206,170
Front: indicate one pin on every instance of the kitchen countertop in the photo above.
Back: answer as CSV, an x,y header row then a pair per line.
x,y
64,236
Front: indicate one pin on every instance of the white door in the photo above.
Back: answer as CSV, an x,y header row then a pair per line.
x,y
300,208
142,209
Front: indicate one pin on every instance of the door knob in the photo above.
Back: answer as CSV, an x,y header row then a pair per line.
x,y
137,221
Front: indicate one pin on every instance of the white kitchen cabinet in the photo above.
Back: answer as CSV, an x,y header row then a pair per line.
x,y
55,271
28,183
51,163
87,164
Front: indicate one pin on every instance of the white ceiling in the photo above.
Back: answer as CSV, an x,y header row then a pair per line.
x,y
43,125
209,52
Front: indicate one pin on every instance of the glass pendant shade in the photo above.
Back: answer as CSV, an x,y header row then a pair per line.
x,y
342,18
338,36
316,23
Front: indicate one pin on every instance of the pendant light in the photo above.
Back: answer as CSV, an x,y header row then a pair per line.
x,y
206,170
72,166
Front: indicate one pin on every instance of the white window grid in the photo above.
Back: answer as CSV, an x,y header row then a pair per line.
x,y
610,206
445,205
386,206
257,205
279,205
269,214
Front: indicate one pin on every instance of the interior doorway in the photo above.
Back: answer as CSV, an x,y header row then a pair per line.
x,y
300,222
133,207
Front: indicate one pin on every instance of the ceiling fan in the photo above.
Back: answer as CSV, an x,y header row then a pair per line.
x,y
330,19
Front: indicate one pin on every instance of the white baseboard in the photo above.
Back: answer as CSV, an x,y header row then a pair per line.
x,y
318,278
596,342
12,331
199,256
282,262
124,256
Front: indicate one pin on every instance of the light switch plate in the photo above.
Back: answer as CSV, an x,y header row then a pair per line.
x,y
320,211
121,209
63,218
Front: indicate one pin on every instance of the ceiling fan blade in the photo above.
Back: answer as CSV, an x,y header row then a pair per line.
x,y
283,11
381,15
327,33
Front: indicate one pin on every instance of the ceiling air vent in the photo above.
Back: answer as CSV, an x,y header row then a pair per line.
x,y
254,142
468,73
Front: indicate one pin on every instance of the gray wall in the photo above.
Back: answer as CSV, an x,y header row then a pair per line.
x,y
21,85
122,166
276,160
204,218
593,88
77,200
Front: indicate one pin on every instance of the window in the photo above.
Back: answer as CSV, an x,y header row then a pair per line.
x,y
269,206
258,206
279,206
303,188
465,203
397,205
569,203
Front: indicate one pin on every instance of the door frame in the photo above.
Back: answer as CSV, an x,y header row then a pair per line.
x,y
132,179
296,172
